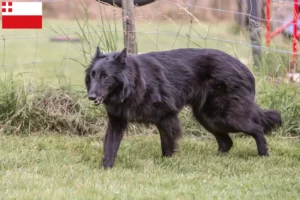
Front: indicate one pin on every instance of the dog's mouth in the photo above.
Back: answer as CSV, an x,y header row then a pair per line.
x,y
98,101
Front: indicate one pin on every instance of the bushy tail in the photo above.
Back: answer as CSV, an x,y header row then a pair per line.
x,y
270,120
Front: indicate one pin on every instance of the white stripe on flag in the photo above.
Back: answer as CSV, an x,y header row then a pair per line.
x,y
24,8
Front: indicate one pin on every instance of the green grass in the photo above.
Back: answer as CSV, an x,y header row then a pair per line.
x,y
63,167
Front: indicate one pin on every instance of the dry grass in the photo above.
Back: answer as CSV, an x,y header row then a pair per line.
x,y
38,108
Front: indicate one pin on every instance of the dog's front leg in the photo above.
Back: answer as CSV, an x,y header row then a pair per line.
x,y
170,131
114,134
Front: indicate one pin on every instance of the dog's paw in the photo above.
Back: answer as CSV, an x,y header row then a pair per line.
x,y
266,154
107,164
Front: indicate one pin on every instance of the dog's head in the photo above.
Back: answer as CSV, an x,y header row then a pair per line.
x,y
105,77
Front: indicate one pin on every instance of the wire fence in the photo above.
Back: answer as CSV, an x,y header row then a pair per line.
x,y
27,51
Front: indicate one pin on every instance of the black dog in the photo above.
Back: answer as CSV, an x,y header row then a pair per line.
x,y
153,88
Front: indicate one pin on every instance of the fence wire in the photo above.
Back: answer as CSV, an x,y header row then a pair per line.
x,y
39,42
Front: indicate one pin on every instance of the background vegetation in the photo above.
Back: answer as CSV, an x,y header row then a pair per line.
x,y
51,135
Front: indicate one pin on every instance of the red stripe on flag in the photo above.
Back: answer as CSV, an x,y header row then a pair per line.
x,y
22,22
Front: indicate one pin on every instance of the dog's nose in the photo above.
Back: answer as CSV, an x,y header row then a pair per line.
x,y
92,97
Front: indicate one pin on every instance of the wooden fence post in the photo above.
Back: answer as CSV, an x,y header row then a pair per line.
x,y
254,10
129,26
240,18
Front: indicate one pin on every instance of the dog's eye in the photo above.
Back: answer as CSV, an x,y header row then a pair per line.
x,y
220,87
103,75
93,74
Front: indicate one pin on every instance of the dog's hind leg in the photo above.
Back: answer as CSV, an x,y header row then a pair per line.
x,y
114,134
224,141
250,126
170,131
257,133
249,122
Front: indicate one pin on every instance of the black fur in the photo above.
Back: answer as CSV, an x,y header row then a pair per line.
x,y
154,87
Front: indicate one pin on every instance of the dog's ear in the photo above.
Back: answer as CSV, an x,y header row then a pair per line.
x,y
121,57
98,53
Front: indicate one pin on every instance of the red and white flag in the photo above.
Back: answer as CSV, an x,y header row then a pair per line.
x,y
22,15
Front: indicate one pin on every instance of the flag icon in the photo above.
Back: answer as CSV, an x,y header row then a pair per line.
x,y
22,15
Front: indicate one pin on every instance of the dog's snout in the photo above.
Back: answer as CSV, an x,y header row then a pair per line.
x,y
92,97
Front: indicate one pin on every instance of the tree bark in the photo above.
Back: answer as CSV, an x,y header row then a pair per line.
x,y
118,3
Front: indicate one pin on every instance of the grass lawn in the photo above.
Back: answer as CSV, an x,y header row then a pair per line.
x,y
63,167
